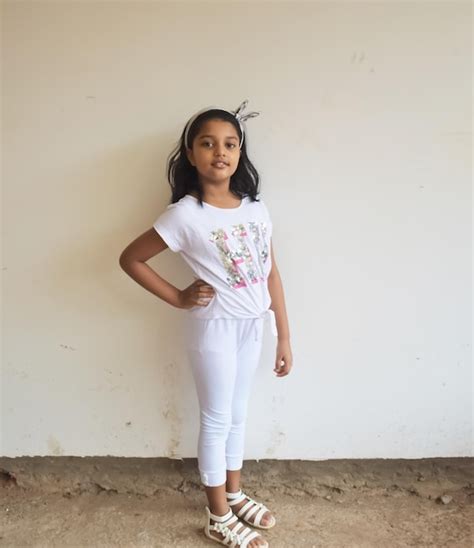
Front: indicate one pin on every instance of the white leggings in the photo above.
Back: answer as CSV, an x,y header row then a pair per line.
x,y
223,354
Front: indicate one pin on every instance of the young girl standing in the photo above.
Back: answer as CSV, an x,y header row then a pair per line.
x,y
219,224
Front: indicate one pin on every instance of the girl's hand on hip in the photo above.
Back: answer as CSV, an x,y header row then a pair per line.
x,y
284,359
199,293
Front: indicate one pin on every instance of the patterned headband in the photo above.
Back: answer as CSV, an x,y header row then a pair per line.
x,y
238,114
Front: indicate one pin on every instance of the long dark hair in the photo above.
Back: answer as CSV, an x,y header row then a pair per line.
x,y
183,176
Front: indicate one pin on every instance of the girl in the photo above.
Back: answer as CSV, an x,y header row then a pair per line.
x,y
221,227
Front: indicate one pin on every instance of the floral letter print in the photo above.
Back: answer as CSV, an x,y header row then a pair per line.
x,y
241,267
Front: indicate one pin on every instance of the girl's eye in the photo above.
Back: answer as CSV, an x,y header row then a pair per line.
x,y
205,143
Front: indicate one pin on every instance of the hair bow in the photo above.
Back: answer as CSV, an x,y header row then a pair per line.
x,y
242,117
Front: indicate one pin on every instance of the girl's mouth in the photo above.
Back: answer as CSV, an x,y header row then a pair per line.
x,y
219,165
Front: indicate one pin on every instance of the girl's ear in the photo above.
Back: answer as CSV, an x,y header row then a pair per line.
x,y
190,155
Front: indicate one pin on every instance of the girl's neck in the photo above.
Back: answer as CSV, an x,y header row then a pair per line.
x,y
225,200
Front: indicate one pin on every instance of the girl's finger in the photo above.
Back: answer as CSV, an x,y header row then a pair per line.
x,y
282,367
203,298
202,283
205,292
279,364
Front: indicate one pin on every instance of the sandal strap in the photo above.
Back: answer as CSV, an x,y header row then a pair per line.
x,y
245,532
259,515
231,535
235,500
233,495
228,518
235,539
249,508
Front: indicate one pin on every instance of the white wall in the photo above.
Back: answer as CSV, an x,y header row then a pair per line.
x,y
363,145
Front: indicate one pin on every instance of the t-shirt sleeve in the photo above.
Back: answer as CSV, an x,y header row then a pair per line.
x,y
170,226
267,216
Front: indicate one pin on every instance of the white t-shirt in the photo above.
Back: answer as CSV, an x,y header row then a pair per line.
x,y
229,248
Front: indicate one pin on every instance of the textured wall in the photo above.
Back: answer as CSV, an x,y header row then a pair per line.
x,y
363,145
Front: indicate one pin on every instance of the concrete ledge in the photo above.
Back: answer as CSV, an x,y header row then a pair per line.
x,y
149,476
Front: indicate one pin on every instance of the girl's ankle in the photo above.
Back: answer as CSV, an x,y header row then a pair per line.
x,y
219,511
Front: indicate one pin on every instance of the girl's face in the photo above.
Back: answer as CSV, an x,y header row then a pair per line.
x,y
215,151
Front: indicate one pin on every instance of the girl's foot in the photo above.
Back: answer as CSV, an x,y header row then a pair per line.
x,y
267,519
237,530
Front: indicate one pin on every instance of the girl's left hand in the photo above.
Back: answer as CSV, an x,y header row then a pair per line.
x,y
284,359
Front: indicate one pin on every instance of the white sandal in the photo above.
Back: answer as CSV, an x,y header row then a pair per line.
x,y
232,536
252,506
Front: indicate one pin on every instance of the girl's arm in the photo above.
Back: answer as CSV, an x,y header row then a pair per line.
x,y
278,306
133,262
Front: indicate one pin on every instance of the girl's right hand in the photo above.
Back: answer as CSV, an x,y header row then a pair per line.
x,y
199,293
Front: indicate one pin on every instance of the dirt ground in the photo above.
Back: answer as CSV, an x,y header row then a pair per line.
x,y
109,502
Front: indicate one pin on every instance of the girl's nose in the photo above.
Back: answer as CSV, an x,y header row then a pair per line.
x,y
220,150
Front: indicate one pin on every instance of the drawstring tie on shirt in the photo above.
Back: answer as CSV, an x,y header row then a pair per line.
x,y
267,315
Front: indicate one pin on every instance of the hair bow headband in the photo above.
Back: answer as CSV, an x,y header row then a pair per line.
x,y
238,114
